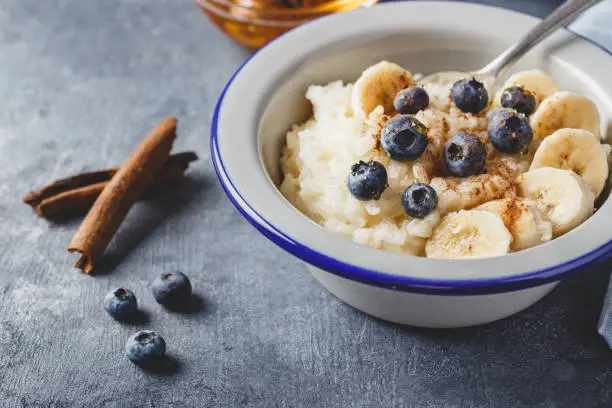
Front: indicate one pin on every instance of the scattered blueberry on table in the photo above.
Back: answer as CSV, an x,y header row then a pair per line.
x,y
145,347
510,131
470,95
172,289
419,200
519,99
120,303
411,100
465,154
367,181
404,138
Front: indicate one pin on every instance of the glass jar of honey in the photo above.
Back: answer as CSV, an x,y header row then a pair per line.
x,y
254,23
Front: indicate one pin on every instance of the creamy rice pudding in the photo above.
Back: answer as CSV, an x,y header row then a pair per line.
x,y
446,171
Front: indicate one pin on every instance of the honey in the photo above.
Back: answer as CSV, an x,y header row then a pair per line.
x,y
254,23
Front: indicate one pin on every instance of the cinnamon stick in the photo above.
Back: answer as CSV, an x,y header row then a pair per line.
x,y
77,202
34,198
121,192
74,196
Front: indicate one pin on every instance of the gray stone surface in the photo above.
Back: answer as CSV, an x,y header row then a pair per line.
x,y
80,84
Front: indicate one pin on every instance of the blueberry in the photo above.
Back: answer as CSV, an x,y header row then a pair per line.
x,y
465,154
411,100
419,200
120,303
145,347
367,181
470,95
519,99
172,289
404,138
510,132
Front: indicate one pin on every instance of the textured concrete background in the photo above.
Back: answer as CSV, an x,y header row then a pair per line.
x,y
81,82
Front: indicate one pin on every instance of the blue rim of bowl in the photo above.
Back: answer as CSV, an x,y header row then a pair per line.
x,y
386,280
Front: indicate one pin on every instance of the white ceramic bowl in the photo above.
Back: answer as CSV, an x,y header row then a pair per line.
x,y
266,96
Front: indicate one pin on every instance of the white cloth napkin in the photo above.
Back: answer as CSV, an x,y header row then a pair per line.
x,y
605,319
594,24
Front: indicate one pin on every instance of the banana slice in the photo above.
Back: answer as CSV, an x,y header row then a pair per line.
x,y
460,193
469,234
527,224
562,195
563,110
536,81
378,85
578,150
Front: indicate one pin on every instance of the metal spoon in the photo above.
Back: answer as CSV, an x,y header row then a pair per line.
x,y
490,72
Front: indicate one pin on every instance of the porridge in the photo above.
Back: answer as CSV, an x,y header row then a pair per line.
x,y
446,171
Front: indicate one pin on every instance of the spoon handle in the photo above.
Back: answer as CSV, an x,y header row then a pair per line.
x,y
558,18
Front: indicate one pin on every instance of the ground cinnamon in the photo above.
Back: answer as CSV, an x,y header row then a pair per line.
x,y
121,192
74,196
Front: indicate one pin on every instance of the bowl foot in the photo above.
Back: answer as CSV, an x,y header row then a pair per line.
x,y
433,311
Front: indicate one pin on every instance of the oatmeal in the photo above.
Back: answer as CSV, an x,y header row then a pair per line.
x,y
445,171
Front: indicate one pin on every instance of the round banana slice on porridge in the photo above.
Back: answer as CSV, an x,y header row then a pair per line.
x,y
578,150
378,85
534,81
527,224
562,195
564,110
469,234
460,193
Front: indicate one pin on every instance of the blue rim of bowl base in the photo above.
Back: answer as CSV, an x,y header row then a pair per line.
x,y
386,280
